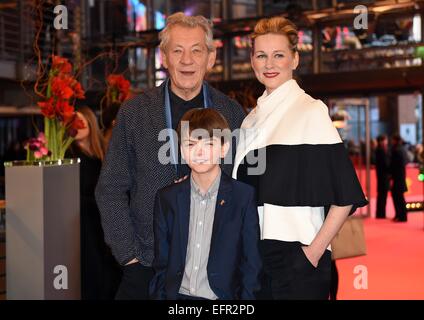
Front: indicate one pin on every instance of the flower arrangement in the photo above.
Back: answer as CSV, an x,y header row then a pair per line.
x,y
61,122
118,88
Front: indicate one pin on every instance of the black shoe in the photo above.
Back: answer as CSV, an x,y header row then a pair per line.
x,y
399,220
380,217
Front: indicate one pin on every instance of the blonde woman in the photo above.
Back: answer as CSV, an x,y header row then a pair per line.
x,y
309,186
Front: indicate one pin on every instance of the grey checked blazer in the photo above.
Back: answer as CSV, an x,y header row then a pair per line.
x,y
132,174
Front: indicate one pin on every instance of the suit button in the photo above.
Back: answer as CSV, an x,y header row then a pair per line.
x,y
179,273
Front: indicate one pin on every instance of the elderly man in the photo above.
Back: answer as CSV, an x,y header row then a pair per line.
x,y
132,172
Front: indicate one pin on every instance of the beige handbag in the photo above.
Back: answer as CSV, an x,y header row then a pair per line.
x,y
350,241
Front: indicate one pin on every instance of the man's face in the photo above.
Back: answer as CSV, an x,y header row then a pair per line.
x,y
187,59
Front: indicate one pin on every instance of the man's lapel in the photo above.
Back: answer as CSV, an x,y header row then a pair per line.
x,y
157,114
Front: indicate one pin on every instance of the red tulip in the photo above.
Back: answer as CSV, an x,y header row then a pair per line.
x,y
79,92
60,64
61,87
119,83
47,108
65,112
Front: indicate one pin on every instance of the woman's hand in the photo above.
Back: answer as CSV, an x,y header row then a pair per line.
x,y
332,224
312,255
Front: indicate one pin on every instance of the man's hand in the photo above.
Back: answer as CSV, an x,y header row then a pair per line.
x,y
132,261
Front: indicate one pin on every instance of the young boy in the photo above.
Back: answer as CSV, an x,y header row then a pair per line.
x,y
206,227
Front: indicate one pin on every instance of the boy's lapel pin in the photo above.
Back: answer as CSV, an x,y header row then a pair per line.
x,y
222,202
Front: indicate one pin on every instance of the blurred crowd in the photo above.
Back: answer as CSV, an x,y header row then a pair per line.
x,y
414,153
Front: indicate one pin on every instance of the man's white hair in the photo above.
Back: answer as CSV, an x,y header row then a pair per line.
x,y
181,19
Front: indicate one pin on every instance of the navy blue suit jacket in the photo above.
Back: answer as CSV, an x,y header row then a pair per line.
x,y
234,262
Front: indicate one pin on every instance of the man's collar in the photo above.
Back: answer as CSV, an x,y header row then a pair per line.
x,y
178,99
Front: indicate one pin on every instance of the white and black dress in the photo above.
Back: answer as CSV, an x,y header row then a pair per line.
x,y
292,154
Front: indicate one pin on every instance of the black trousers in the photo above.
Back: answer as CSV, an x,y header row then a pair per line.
x,y
288,274
399,203
135,282
382,191
334,287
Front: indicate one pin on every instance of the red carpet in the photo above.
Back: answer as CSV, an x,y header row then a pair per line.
x,y
394,263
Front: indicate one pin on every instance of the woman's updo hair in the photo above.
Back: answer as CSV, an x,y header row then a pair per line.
x,y
276,25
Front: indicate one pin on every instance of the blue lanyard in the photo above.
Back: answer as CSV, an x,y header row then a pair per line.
x,y
174,145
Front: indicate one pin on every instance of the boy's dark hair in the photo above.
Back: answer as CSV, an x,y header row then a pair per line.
x,y
207,119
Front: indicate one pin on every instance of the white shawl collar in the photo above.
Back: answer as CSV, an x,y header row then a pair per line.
x,y
287,116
